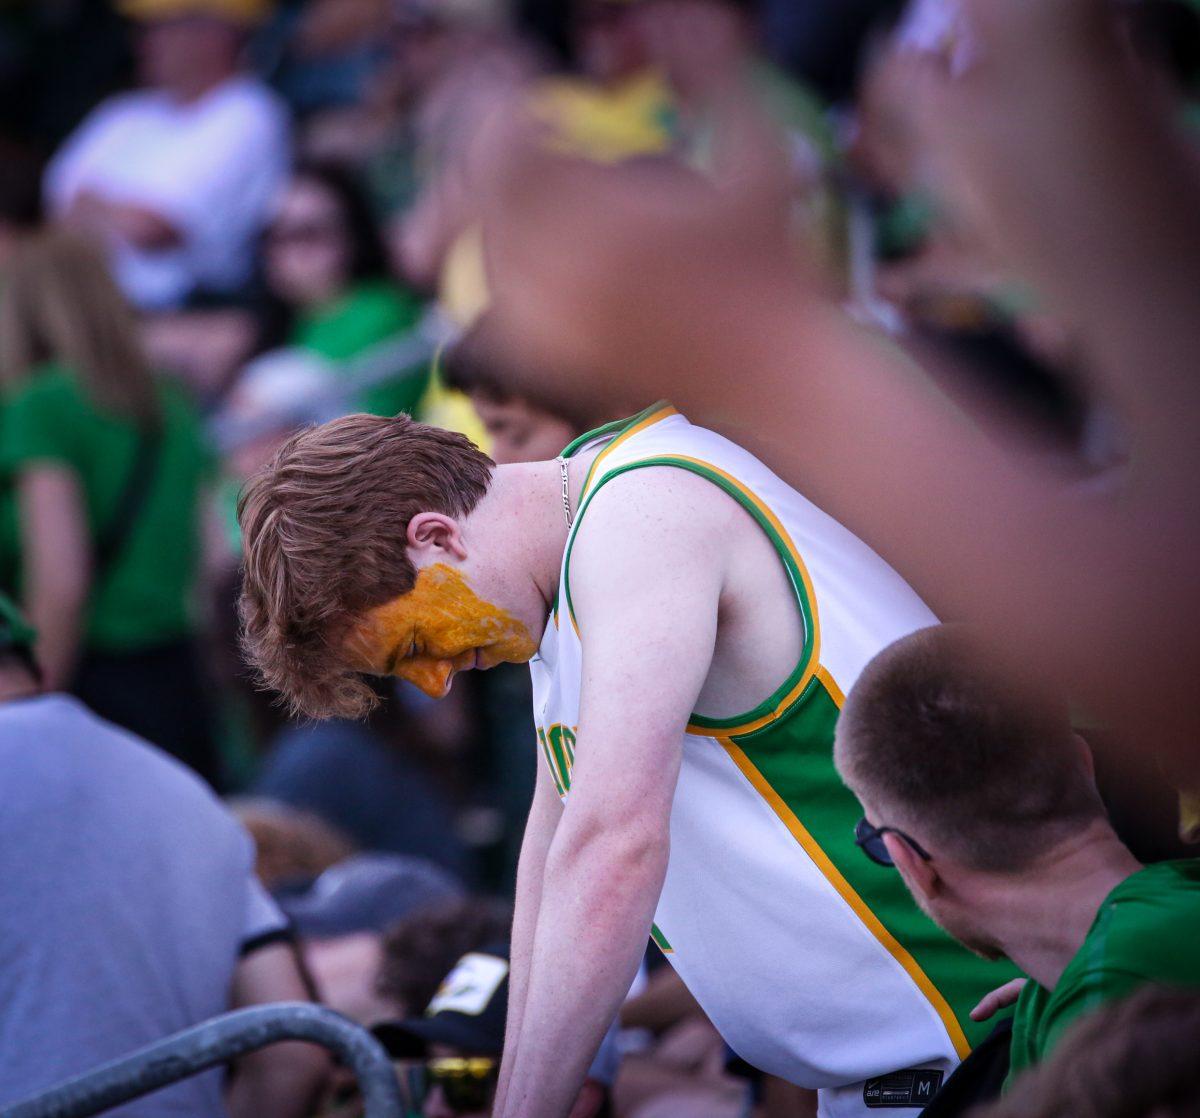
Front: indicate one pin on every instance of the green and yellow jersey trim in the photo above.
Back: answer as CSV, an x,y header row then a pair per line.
x,y
623,429
844,889
810,692
655,413
788,692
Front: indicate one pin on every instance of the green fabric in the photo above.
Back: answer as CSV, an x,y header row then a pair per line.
x,y
145,598
794,107
794,754
371,312
770,703
15,631
1145,932
904,225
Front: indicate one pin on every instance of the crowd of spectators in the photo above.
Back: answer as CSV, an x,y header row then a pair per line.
x,y
224,220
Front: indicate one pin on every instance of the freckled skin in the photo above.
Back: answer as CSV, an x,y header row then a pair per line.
x,y
434,630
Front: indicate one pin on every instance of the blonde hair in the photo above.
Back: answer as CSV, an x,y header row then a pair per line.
x,y
59,303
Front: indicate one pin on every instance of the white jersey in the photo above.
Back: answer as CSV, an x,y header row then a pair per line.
x,y
812,961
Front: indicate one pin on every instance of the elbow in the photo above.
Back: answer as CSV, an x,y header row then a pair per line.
x,y
612,853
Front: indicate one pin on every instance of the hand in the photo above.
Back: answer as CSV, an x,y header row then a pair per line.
x,y
1000,998
1011,102
138,225
603,268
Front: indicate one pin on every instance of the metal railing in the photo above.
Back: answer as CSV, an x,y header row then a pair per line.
x,y
217,1042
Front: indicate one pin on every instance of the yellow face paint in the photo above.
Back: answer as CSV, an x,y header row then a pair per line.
x,y
439,627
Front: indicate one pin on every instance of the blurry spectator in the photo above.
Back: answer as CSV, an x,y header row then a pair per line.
x,y
704,46
178,177
1133,1059
482,71
984,802
367,892
341,917
274,395
399,52
292,846
519,430
681,1071
460,1038
129,909
350,776
617,107
326,262
330,51
418,952
104,469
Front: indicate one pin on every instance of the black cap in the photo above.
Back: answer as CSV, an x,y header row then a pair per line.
x,y
467,1013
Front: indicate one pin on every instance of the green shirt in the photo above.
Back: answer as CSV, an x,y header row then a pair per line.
x,y
145,596
1145,932
371,312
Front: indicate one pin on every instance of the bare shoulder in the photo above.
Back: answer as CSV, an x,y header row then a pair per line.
x,y
653,504
657,531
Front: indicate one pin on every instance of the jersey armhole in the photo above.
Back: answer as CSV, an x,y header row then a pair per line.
x,y
788,693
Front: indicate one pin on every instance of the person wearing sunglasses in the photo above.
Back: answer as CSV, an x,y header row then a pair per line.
x,y
325,265
450,1056
985,803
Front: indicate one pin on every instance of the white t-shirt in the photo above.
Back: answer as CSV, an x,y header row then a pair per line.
x,y
211,167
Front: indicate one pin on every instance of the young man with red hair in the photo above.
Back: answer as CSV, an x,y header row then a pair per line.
x,y
692,624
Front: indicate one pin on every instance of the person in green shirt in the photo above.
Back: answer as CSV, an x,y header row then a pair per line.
x,y
984,801
1135,1058
326,263
103,472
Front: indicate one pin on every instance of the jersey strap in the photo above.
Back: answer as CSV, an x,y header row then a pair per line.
x,y
789,692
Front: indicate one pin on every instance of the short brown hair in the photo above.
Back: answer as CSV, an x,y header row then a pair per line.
x,y
324,529
990,775
420,950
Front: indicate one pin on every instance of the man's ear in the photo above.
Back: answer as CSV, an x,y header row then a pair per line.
x,y
919,875
435,535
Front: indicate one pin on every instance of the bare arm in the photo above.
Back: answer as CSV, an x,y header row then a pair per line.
x,y
284,1080
979,529
646,582
1091,197
138,225
544,817
56,565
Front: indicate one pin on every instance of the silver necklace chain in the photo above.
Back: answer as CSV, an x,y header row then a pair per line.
x,y
566,492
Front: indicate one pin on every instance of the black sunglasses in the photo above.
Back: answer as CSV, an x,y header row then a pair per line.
x,y
869,839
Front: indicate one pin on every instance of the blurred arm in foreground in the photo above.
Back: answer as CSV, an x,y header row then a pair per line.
x,y
687,289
